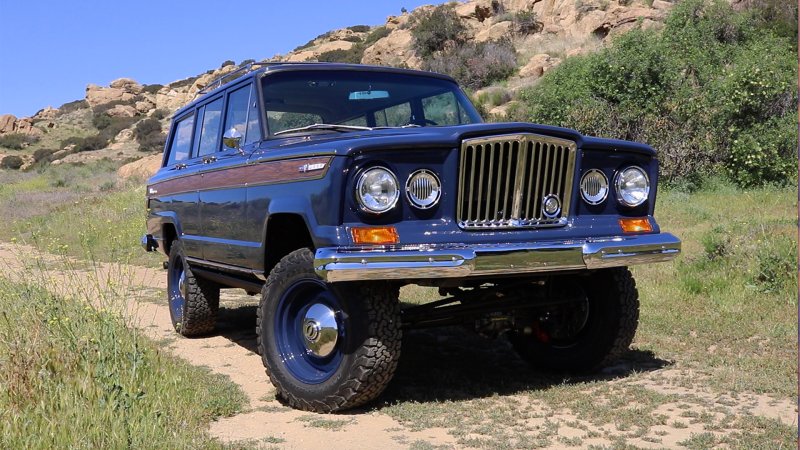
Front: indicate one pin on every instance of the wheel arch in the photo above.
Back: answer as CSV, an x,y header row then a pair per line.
x,y
285,233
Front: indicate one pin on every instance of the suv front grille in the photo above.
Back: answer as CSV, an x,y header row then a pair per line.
x,y
504,180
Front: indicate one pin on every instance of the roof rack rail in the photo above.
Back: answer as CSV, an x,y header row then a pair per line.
x,y
242,71
230,76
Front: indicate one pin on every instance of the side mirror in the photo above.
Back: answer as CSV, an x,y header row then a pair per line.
x,y
232,140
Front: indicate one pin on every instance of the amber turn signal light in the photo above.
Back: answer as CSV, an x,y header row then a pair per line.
x,y
375,235
641,225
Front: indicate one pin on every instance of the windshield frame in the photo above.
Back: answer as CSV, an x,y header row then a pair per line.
x,y
463,101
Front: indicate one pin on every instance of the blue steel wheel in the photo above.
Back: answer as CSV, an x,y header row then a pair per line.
x,y
193,302
308,331
326,348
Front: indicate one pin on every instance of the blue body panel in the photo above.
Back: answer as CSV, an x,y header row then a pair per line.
x,y
229,224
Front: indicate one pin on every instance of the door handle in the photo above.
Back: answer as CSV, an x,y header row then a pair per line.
x,y
180,166
209,159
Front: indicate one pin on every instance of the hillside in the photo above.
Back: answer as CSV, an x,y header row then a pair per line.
x,y
127,120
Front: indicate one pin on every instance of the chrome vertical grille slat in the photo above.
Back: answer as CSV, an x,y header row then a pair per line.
x,y
503,180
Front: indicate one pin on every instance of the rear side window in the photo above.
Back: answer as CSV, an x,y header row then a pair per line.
x,y
236,114
210,130
181,140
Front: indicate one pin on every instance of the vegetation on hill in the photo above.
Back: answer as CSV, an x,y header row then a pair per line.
x,y
440,38
715,89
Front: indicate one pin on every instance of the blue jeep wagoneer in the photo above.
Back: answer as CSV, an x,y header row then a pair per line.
x,y
326,187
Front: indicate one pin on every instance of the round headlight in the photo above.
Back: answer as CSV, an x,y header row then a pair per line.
x,y
423,189
594,187
377,190
633,186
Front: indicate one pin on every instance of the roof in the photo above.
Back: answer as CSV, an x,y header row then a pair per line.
x,y
266,68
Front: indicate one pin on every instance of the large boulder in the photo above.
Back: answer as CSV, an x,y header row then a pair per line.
x,y
538,65
97,95
7,122
122,111
47,113
396,49
142,168
122,89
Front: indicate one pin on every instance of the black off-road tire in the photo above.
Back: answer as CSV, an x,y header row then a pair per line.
x,y
201,302
608,333
369,346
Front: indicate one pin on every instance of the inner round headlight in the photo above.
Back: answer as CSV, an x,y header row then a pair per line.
x,y
633,186
377,190
423,189
594,187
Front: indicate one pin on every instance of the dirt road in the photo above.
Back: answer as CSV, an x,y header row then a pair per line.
x,y
441,374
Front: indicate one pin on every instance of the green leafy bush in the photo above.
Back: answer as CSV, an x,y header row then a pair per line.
x,y
359,28
434,29
227,63
152,88
148,134
86,144
352,56
476,65
376,35
714,91
72,106
12,162
525,22
17,141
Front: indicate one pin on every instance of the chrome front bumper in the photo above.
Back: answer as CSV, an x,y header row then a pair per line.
x,y
461,260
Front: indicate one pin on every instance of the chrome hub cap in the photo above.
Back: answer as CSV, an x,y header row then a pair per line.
x,y
182,284
320,330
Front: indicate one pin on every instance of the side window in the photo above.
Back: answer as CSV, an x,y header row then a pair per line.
x,y
181,140
210,130
253,118
236,113
395,116
443,109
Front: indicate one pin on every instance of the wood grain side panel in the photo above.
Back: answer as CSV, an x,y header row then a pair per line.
x,y
261,173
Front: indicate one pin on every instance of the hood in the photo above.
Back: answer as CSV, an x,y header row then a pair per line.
x,y
353,143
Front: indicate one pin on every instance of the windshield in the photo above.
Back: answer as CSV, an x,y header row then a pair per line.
x,y
299,99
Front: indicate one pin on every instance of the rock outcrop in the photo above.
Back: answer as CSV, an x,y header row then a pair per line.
x,y
10,124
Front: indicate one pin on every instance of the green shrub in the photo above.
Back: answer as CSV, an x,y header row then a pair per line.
x,y
148,134
160,114
13,162
43,155
525,23
776,264
152,88
227,63
86,144
475,65
72,106
352,56
182,83
17,141
359,28
432,30
700,91
376,35
352,38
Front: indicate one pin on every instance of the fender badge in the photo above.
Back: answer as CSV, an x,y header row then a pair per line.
x,y
311,167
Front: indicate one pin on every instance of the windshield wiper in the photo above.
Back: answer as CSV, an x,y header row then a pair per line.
x,y
324,127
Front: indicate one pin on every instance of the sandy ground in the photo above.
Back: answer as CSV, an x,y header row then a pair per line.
x,y
267,422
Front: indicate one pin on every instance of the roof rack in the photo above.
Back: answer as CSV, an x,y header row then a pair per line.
x,y
230,76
